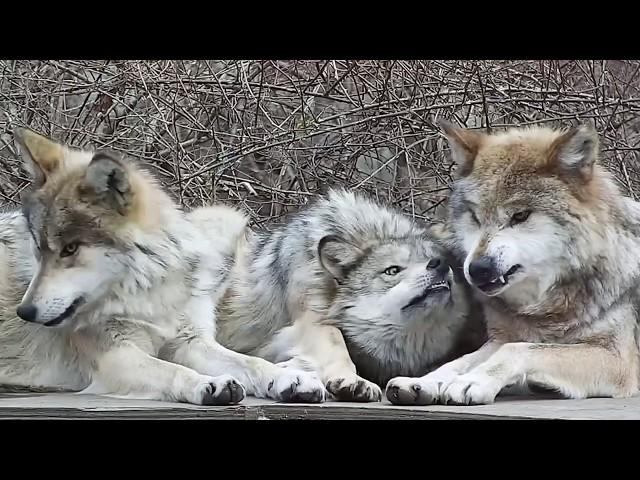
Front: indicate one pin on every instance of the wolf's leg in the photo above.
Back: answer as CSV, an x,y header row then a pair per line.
x,y
127,371
575,371
428,389
323,347
196,348
260,377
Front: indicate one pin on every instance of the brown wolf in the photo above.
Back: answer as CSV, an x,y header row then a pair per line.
x,y
553,249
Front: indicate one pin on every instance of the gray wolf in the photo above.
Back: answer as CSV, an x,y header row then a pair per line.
x,y
553,249
350,289
115,287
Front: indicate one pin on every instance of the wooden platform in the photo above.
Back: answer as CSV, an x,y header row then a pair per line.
x,y
71,406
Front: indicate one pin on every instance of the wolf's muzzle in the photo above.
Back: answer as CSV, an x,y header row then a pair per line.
x,y
440,265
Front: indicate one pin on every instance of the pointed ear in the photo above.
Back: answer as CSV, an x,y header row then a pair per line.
x,y
464,145
41,156
336,255
107,182
575,152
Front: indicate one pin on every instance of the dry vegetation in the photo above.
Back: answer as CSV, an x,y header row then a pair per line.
x,y
270,135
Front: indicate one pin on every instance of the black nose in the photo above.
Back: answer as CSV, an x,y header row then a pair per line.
x,y
482,270
440,265
27,312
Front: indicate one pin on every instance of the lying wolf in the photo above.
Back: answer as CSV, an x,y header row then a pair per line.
x,y
554,250
115,288
349,289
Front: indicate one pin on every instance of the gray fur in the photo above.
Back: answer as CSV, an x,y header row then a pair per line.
x,y
106,179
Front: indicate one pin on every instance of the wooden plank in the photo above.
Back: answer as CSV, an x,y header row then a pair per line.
x,y
73,406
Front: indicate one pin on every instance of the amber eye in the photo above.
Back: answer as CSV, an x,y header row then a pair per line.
x,y
394,270
520,217
69,249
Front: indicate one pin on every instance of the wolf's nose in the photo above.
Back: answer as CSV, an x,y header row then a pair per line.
x,y
482,270
440,265
27,312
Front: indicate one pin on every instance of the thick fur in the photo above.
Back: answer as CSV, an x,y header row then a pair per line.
x,y
553,249
314,294
119,288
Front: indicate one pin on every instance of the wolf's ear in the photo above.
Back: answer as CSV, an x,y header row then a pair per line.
x,y
464,145
336,255
575,152
107,181
40,156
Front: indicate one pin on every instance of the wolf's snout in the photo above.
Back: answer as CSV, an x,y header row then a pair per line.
x,y
440,265
27,312
483,270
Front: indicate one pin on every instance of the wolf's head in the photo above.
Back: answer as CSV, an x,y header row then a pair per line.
x,y
79,213
525,206
391,282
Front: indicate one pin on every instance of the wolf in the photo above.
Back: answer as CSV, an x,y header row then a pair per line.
x,y
553,249
107,287
353,290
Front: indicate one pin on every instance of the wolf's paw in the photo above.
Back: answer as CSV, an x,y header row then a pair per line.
x,y
471,389
221,390
412,391
352,388
420,390
296,386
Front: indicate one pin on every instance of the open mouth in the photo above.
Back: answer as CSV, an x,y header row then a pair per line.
x,y
434,289
71,309
500,282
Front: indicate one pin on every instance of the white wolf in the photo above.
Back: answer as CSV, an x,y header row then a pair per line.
x,y
116,288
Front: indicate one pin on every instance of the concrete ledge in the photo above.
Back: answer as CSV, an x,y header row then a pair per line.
x,y
74,406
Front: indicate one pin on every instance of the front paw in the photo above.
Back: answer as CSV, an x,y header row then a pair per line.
x,y
471,389
296,386
352,388
221,390
419,390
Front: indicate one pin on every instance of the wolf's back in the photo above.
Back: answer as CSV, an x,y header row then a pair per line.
x,y
354,217
16,260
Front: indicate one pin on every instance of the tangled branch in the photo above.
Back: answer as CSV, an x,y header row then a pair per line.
x,y
269,135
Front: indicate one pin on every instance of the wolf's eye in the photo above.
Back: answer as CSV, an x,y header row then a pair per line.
x,y
69,249
520,217
474,217
391,271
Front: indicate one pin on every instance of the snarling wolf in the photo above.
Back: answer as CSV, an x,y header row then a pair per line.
x,y
115,287
553,249
353,290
